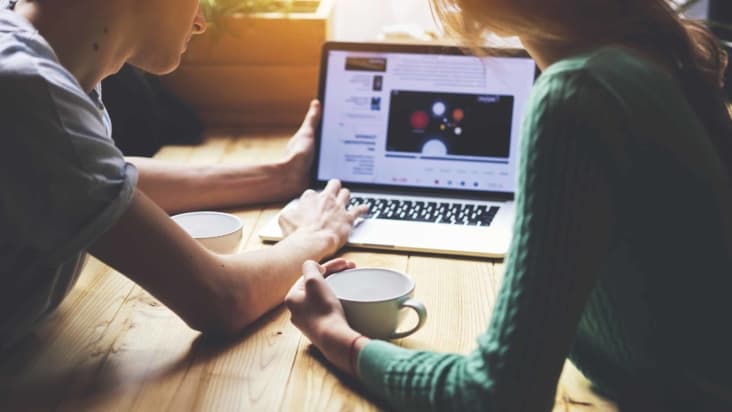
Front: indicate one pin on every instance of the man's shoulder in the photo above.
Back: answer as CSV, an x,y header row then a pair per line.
x,y
26,59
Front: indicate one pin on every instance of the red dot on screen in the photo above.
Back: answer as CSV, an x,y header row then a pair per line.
x,y
419,120
458,114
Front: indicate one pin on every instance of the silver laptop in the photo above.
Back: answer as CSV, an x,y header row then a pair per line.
x,y
428,137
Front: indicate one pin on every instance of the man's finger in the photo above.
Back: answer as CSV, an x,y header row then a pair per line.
x,y
308,192
312,116
357,211
333,186
343,196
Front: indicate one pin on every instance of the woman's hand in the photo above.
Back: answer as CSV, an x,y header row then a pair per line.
x,y
314,306
323,212
318,313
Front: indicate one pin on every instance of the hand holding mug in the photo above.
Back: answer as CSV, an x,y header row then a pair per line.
x,y
313,305
375,301
334,312
318,313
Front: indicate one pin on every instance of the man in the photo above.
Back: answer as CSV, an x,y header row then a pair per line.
x,y
67,189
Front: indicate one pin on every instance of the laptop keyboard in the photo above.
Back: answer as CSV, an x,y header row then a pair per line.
x,y
437,212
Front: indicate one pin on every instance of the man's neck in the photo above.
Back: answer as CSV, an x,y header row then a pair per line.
x,y
90,49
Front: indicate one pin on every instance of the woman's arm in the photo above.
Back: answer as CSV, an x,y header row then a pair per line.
x,y
220,293
176,187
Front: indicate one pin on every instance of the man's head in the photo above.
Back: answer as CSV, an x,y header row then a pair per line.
x,y
163,29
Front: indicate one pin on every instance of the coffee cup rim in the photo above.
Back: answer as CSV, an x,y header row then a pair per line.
x,y
412,285
234,218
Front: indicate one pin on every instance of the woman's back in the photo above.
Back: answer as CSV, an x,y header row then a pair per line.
x,y
651,319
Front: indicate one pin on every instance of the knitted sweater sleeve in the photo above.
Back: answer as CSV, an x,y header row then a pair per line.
x,y
561,237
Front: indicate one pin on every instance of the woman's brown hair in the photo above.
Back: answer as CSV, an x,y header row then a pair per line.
x,y
700,61
651,26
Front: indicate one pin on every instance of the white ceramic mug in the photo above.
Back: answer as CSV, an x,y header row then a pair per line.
x,y
374,299
217,231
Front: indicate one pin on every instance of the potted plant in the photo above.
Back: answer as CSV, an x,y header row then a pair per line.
x,y
258,63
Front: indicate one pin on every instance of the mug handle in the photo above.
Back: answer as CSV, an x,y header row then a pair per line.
x,y
421,314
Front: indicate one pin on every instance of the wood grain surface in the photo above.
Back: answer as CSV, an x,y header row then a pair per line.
x,y
113,347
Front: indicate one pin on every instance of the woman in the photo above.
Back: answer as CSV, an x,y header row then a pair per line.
x,y
66,189
626,161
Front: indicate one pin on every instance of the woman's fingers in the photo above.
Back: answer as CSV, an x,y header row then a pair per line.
x,y
337,265
311,268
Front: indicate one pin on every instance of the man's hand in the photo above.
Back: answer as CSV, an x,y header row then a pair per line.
x,y
300,150
323,212
182,187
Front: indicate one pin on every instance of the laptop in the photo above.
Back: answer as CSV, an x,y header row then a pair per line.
x,y
428,137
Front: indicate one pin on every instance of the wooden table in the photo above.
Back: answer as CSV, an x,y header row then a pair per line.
x,y
111,346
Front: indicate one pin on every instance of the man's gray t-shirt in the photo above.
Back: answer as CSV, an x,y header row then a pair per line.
x,y
63,181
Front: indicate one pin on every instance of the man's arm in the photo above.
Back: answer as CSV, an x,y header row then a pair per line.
x,y
219,293
177,188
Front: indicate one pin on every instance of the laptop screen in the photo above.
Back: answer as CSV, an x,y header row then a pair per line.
x,y
421,117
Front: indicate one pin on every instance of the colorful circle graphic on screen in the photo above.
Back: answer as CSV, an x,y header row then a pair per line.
x,y
438,108
458,114
434,147
419,120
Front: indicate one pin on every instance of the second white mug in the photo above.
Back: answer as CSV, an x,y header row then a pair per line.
x,y
217,231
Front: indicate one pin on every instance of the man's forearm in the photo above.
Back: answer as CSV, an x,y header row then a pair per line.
x,y
177,188
267,274
214,293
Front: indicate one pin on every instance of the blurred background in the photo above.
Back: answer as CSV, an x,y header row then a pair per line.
x,y
359,20
257,67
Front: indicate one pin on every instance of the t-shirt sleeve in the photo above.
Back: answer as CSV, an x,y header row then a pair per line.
x,y
561,238
64,182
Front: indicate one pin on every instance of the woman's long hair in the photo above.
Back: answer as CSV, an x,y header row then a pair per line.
x,y
653,26
700,61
